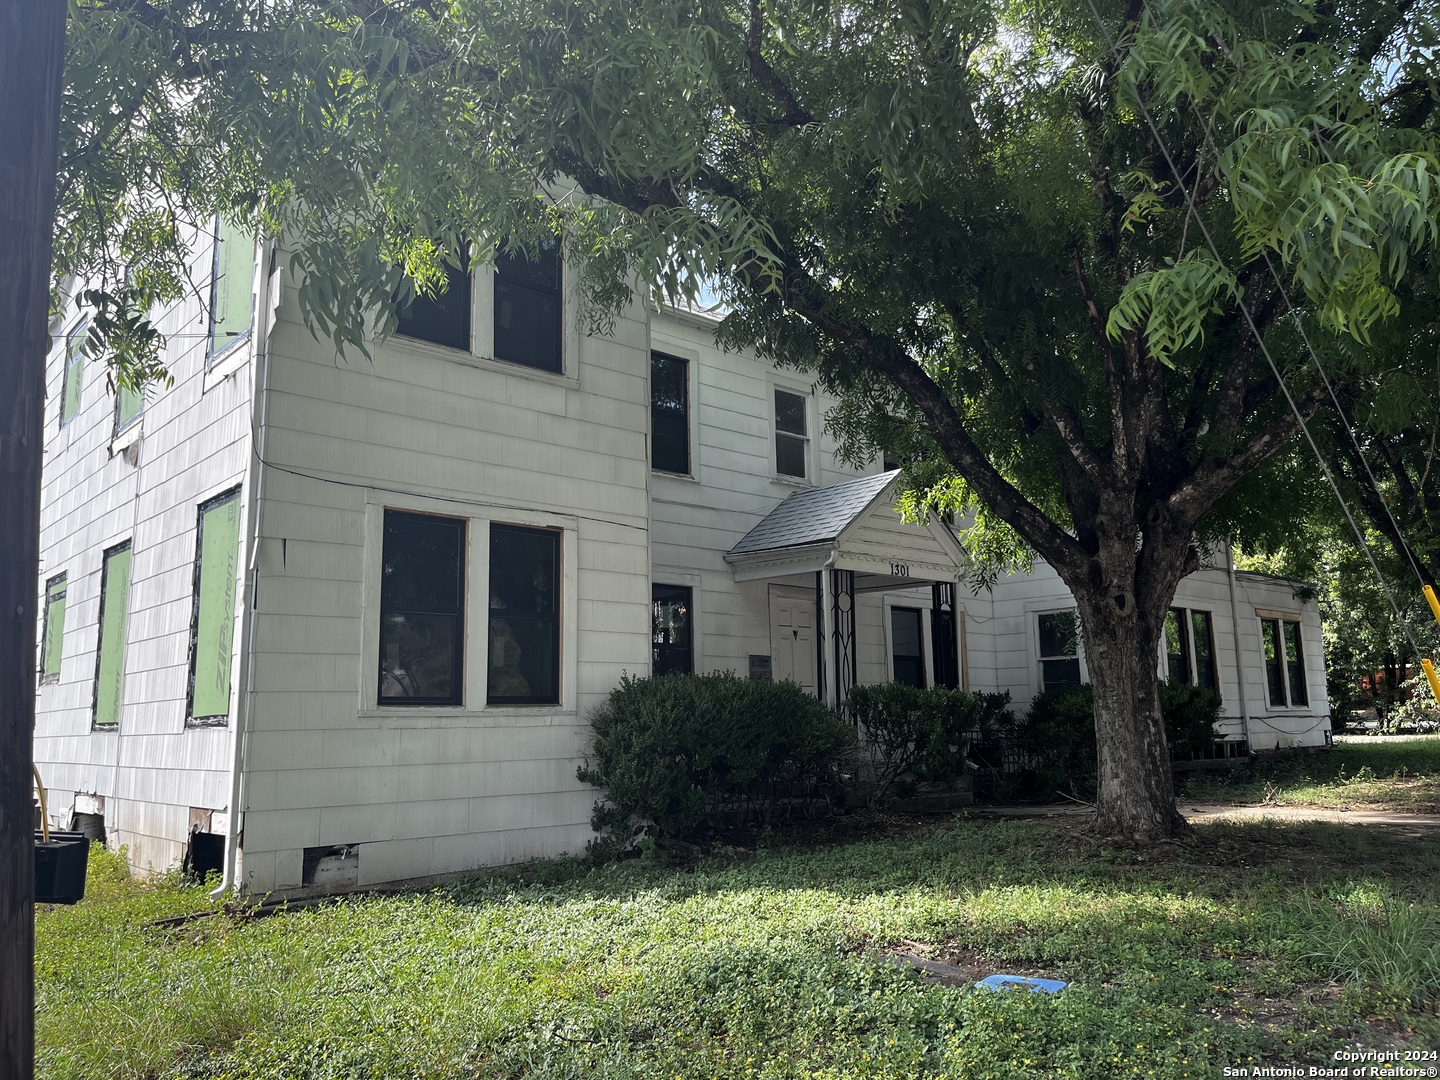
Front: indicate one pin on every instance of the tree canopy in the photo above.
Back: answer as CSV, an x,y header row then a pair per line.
x,y
1059,254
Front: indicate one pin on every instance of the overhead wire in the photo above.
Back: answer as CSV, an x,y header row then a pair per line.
x,y
1164,147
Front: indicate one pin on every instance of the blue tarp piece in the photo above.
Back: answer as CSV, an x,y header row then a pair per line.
x,y
1019,982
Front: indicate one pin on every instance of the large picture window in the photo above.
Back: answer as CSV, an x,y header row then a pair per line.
x,y
52,640
1284,662
670,616
442,319
529,313
669,413
1059,634
212,621
110,656
422,622
1190,648
792,434
524,645
231,286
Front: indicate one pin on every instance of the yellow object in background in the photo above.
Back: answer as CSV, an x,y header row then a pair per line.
x,y
1434,679
1434,604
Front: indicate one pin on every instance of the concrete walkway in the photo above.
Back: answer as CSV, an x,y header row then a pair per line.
x,y
1197,813
1209,812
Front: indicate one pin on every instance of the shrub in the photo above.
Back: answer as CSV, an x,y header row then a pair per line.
x,y
923,734
1057,735
674,751
1417,714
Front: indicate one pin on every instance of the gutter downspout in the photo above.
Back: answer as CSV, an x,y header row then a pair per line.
x,y
1239,652
254,499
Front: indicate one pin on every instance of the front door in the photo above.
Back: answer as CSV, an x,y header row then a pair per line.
x,y
792,638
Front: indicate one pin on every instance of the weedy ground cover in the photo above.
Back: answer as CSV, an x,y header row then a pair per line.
x,y
1246,943
1380,774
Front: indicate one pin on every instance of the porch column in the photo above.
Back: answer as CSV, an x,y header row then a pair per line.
x,y
826,674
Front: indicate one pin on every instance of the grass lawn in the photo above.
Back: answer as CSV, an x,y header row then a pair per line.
x,y
1248,943
1377,774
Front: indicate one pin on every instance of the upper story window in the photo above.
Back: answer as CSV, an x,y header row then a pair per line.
x,y
1284,662
110,656
212,621
129,407
792,434
529,312
53,636
669,413
231,289
422,612
1059,634
524,665
1190,648
670,616
907,654
74,372
442,319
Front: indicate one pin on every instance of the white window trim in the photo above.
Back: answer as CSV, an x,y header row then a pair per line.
x,y
1033,611
812,457
665,576
692,416
927,640
1162,663
1262,616
476,606
77,322
482,332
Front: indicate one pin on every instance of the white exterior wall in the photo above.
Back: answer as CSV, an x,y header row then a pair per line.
x,y
420,427
191,444
1020,598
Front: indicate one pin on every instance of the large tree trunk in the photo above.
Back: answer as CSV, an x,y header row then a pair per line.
x,y
1136,787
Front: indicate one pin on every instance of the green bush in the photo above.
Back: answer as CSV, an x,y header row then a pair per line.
x,y
922,734
1057,735
675,751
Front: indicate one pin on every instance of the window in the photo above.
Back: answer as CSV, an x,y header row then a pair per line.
x,y
906,651
528,309
212,622
51,640
792,438
110,658
1284,662
129,406
442,319
422,622
669,413
1177,647
74,372
524,647
1202,627
670,629
230,289
1059,650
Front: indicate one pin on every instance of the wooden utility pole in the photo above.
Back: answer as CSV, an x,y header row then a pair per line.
x,y
32,56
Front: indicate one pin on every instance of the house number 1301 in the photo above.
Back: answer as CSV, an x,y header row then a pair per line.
x,y
900,569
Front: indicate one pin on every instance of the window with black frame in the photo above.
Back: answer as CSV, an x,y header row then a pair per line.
x,y
1059,634
529,313
422,621
444,318
907,653
669,413
672,653
524,646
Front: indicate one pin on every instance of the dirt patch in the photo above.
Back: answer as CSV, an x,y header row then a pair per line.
x,y
954,965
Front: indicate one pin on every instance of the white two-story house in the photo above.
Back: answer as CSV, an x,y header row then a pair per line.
x,y
321,621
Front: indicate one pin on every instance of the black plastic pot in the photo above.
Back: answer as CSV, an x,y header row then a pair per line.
x,y
60,866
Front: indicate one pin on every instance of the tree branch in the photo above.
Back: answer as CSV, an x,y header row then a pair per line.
x,y
792,111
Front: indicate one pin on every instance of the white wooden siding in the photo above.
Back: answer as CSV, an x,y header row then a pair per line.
x,y
190,444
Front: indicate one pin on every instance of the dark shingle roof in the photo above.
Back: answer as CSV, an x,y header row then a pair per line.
x,y
813,516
